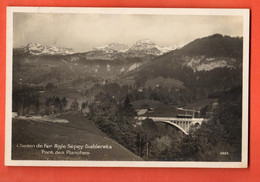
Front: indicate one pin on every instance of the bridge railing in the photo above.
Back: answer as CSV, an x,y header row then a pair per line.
x,y
172,119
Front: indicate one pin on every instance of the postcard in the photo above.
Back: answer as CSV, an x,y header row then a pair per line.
x,y
127,87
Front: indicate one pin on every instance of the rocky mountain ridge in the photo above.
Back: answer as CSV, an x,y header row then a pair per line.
x,y
39,49
137,64
110,51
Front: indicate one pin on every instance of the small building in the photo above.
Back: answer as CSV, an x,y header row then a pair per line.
x,y
150,110
141,111
214,105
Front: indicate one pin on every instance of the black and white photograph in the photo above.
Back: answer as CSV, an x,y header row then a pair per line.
x,y
127,87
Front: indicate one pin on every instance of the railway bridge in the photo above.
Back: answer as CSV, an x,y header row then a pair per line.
x,y
183,124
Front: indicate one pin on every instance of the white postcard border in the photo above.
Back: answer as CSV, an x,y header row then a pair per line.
x,y
161,11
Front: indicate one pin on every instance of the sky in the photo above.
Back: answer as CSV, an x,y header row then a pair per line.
x,y
82,32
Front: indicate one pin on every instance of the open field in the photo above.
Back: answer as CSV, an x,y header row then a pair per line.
x,y
35,140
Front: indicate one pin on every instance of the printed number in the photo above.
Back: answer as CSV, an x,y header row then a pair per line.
x,y
223,153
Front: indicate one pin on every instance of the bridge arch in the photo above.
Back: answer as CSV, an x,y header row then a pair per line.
x,y
182,124
197,124
173,124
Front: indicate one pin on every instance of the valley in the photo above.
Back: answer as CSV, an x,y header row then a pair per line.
x,y
101,92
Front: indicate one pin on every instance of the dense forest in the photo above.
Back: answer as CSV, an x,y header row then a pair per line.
x,y
161,142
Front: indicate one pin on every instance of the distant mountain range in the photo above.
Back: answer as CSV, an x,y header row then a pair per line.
x,y
216,57
140,49
39,49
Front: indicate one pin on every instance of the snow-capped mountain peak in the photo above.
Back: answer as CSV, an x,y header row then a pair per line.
x,y
144,42
148,47
165,49
34,47
112,47
144,47
39,49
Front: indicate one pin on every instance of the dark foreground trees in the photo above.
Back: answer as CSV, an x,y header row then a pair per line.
x,y
54,105
217,140
116,120
25,99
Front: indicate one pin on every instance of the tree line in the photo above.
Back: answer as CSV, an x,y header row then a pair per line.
x,y
217,140
27,100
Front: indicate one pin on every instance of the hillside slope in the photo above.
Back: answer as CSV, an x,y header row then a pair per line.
x,y
31,132
214,61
